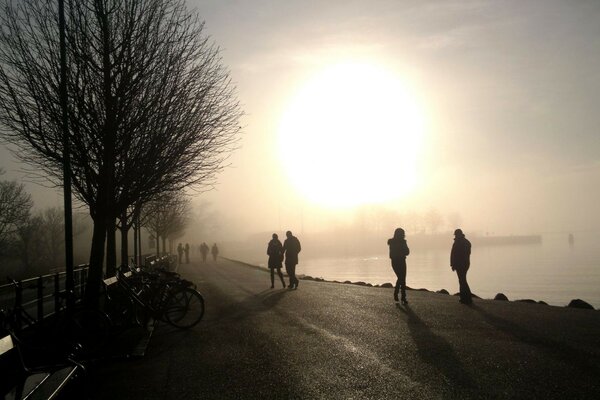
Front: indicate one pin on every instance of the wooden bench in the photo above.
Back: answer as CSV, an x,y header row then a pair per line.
x,y
20,382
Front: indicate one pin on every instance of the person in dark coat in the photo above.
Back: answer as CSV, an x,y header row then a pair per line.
x,y
214,251
275,253
460,261
204,251
186,250
291,248
180,253
398,252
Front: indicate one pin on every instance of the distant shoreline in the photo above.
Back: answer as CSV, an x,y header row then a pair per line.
x,y
575,303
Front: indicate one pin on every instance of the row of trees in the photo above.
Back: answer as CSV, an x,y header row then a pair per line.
x,y
32,242
151,109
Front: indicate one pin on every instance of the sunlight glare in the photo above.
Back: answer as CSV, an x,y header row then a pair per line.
x,y
352,136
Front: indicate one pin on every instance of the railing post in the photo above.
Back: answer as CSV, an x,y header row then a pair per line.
x,y
18,305
83,276
56,293
40,299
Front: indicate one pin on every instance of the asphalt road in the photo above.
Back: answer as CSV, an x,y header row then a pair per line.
x,y
337,341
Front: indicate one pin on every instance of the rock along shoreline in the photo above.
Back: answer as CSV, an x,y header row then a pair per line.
x,y
575,303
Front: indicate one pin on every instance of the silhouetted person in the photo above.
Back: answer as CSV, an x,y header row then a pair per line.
x,y
180,252
398,252
204,251
291,248
460,261
186,250
275,252
214,251
571,240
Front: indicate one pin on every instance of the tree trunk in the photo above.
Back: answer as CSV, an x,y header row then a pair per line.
x,y
124,240
96,261
111,248
139,241
135,242
164,240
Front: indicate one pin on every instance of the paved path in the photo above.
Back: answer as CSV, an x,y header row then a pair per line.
x,y
337,341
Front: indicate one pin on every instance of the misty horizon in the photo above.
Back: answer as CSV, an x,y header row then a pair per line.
x,y
506,97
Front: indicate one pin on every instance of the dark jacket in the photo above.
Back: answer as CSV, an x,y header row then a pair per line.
x,y
398,248
275,252
460,257
291,248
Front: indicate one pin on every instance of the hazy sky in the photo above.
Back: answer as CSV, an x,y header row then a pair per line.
x,y
508,91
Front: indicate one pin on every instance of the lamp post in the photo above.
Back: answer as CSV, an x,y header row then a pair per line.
x,y
70,282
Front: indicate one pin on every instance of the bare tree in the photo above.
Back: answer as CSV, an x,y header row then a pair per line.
x,y
434,220
151,108
166,218
15,207
40,242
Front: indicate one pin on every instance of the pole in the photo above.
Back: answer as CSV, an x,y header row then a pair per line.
x,y
70,283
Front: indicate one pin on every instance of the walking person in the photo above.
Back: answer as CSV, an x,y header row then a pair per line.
x,y
275,253
214,251
180,252
398,252
291,248
204,251
460,261
186,250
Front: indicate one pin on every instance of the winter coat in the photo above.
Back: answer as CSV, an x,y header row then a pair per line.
x,y
291,248
460,256
275,252
398,248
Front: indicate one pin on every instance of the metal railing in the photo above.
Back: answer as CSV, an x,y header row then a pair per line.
x,y
36,299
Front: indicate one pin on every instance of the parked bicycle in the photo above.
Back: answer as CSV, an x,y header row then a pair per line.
x,y
164,296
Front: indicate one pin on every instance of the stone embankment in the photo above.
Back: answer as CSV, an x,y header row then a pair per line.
x,y
575,303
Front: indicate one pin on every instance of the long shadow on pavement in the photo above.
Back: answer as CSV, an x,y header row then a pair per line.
x,y
437,352
249,306
561,351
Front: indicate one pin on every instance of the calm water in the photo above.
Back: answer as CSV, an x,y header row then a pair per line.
x,y
552,271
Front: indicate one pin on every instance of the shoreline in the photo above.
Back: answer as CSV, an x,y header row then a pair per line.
x,y
574,303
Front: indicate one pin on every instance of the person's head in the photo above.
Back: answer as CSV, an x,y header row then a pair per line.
x,y
275,236
459,233
399,233
288,234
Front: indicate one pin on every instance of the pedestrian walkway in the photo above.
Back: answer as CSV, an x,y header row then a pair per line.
x,y
328,340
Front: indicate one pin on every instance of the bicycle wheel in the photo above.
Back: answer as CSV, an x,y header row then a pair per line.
x,y
184,308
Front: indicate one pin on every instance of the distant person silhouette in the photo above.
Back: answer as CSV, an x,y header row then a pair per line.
x,y
186,250
214,251
398,252
275,252
204,251
460,261
571,240
180,252
291,248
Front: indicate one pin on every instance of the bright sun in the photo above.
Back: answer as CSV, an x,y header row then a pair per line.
x,y
352,135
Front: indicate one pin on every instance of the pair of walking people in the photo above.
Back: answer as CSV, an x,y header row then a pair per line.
x,y
460,261
277,252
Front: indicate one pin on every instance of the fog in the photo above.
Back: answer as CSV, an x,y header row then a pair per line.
x,y
509,89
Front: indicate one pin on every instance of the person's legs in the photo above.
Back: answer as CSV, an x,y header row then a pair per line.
x,y
288,270
272,277
465,291
291,271
399,267
402,279
280,276
296,281
396,289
